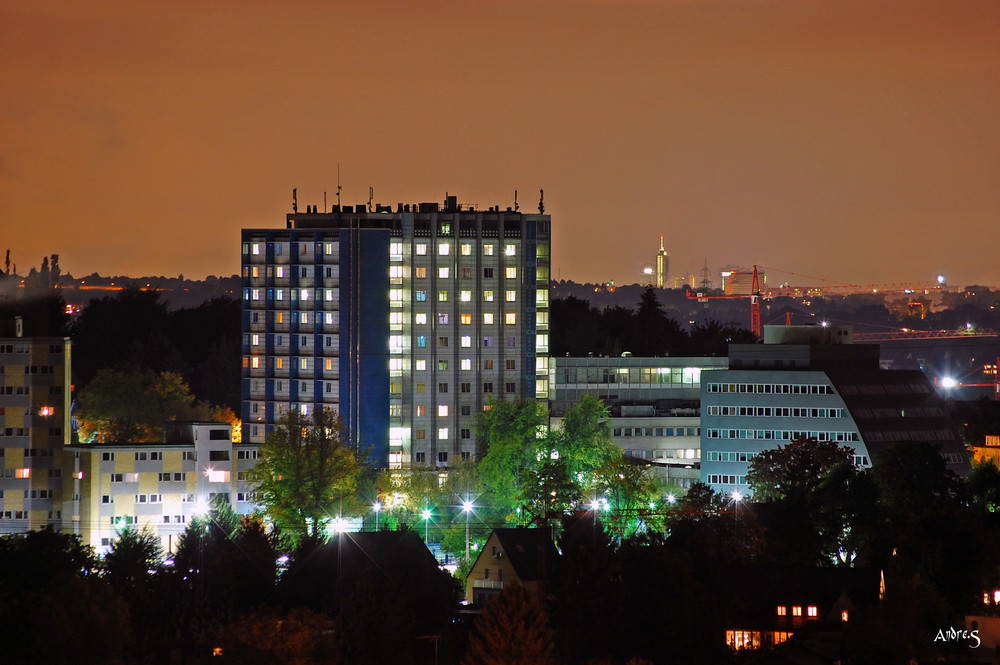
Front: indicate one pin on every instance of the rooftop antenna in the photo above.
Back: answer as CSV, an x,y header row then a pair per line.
x,y
295,202
541,202
371,196
338,186
515,200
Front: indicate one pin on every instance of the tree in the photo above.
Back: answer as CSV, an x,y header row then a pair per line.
x,y
795,470
131,557
511,436
307,473
513,628
629,489
584,440
132,405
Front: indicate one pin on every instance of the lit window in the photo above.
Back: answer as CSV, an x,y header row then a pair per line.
x,y
442,296
510,295
510,250
466,341
488,249
442,433
304,317
421,341
466,319
421,248
303,363
255,362
488,318
420,273
843,616
510,318
22,473
279,317
329,364
442,273
303,294
466,296
442,410
396,364
466,364
796,611
510,272
421,411
255,248
255,294
395,248
444,249
420,319
279,363
421,365
279,271
328,248
811,611
782,610
488,296
466,249
443,318
395,272
395,343
395,317
421,296
396,295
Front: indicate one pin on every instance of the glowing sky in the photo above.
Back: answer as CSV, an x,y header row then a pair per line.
x,y
853,140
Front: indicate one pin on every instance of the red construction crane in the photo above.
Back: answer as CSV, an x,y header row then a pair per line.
x,y
754,296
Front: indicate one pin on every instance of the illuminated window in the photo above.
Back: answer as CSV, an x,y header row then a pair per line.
x,y
510,318
444,249
395,272
488,249
421,296
396,295
782,610
420,273
279,271
255,294
421,411
443,318
510,272
395,343
442,365
304,317
421,249
303,294
396,364
442,433
395,387
843,616
488,296
442,410
279,363
466,249
255,362
510,295
255,249
442,296
466,364
510,250
796,611
421,341
279,317
328,248
303,363
395,318
329,364
811,611
442,273
395,248
22,473
421,365
255,271
420,319
465,296
466,319
488,318
466,341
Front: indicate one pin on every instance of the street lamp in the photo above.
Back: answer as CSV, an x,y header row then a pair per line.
x,y
427,523
377,507
467,507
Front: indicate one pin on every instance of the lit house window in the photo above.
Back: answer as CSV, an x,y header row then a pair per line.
x,y
811,611
510,250
488,296
510,272
421,249
442,296
442,410
466,364
443,273
782,610
255,362
796,611
510,295
421,365
466,319
466,341
510,318
442,433
488,318
466,249
488,249
444,249
420,319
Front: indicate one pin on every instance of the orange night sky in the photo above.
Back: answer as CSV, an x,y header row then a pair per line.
x,y
852,140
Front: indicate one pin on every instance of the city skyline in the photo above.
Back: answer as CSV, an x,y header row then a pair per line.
x,y
745,132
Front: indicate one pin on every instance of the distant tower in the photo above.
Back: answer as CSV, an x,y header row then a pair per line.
x,y
662,265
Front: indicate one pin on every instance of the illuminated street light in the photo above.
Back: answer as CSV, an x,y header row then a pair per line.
x,y
377,507
736,496
948,383
467,508
427,523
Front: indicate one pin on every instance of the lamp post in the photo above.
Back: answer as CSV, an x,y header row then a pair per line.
x,y
377,507
467,507
427,524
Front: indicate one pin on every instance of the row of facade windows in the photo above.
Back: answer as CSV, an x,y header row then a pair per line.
x,y
655,431
776,411
779,434
771,388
